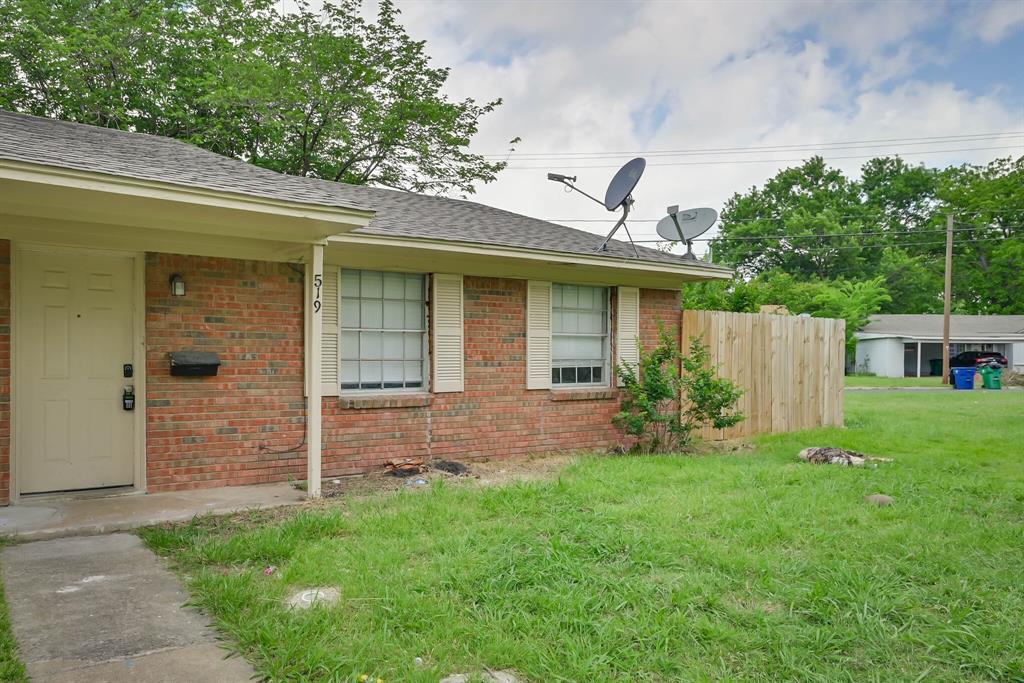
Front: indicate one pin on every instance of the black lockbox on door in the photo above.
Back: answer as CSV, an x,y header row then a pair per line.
x,y
194,363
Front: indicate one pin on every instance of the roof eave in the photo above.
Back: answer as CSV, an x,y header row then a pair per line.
x,y
971,337
474,258
54,192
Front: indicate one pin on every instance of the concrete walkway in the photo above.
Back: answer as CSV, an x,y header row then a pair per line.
x,y
49,517
104,608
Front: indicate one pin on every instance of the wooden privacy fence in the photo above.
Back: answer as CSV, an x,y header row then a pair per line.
x,y
791,368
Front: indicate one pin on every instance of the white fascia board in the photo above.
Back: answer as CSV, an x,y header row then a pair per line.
x,y
352,218
983,339
972,339
702,272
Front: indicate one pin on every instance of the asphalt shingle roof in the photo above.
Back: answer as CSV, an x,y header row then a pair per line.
x,y
930,325
113,152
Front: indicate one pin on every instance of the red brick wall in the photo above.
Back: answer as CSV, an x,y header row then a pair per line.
x,y
5,371
495,416
215,431
659,306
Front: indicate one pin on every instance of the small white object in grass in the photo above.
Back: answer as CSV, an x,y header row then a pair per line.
x,y
487,676
309,597
418,661
880,499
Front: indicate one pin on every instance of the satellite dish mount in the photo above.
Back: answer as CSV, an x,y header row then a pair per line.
x,y
619,194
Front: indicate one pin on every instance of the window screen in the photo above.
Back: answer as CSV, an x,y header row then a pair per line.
x,y
579,335
383,330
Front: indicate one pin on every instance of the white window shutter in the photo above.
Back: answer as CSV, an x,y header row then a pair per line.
x,y
627,323
449,364
330,351
538,335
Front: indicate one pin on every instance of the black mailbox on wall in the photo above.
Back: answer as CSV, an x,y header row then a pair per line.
x,y
194,363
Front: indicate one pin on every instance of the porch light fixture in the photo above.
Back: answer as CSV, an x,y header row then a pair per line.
x,y
177,285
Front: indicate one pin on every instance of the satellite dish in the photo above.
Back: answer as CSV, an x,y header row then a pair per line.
x,y
683,226
618,195
623,182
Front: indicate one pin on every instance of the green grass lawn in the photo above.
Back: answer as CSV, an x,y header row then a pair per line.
x,y
868,381
11,668
748,565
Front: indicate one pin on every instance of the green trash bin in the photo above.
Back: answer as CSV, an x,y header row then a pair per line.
x,y
992,378
935,366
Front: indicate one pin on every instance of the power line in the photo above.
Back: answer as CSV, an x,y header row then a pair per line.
x,y
831,146
697,151
761,238
871,246
769,161
771,218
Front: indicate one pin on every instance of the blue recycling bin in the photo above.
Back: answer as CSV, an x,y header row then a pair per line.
x,y
963,378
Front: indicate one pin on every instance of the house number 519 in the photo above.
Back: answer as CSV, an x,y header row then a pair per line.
x,y
318,282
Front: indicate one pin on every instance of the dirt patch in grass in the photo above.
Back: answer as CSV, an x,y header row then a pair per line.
x,y
480,473
338,492
726,447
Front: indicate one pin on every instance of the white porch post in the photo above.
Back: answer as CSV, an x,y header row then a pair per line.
x,y
918,359
314,304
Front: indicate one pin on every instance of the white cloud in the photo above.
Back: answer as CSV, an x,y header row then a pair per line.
x,y
995,20
574,75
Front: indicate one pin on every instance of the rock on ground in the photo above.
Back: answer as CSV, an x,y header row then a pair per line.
x,y
308,597
829,455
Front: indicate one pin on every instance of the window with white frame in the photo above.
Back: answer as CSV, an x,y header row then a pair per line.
x,y
383,330
579,335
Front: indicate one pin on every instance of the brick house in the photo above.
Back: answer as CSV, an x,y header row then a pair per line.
x,y
351,324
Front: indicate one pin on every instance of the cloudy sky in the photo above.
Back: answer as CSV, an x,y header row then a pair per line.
x,y
631,78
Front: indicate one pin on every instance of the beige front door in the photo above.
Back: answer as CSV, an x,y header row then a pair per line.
x,y
73,330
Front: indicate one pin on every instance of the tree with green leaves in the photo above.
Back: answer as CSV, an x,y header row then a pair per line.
x,y
988,203
813,225
852,300
321,93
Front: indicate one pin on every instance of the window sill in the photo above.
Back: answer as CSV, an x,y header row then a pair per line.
x,y
597,394
392,401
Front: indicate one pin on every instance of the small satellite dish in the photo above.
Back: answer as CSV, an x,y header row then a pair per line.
x,y
623,182
683,226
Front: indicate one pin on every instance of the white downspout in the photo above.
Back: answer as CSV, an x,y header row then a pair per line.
x,y
918,359
313,358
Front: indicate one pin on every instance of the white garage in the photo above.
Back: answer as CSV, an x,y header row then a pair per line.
x,y
909,345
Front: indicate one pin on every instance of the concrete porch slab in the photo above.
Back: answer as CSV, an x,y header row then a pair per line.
x,y
37,519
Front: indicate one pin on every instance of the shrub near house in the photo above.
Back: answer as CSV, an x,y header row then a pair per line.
x,y
650,407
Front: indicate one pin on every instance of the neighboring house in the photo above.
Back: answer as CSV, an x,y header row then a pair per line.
x,y
352,325
908,345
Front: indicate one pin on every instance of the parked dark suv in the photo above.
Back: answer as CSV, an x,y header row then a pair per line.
x,y
970,359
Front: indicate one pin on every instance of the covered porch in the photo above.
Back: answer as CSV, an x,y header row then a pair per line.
x,y
85,297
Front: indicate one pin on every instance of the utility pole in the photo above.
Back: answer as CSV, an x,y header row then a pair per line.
x,y
947,299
